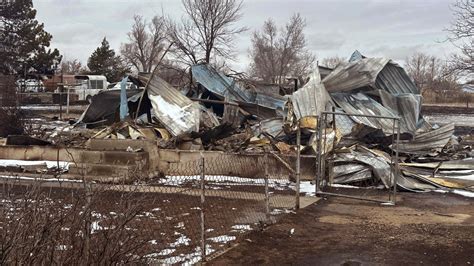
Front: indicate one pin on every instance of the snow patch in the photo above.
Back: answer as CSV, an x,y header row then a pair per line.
x,y
49,164
222,239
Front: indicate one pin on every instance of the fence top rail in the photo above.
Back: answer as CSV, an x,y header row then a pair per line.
x,y
362,115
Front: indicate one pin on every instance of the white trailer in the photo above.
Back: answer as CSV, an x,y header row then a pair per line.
x,y
89,85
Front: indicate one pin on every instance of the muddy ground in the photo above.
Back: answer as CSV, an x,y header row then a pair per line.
x,y
428,228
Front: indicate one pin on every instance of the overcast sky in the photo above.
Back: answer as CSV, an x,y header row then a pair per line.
x,y
388,28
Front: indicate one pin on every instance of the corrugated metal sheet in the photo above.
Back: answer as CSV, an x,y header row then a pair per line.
x,y
427,143
311,99
227,88
355,56
174,110
359,103
407,106
466,164
369,74
272,126
451,174
220,84
395,80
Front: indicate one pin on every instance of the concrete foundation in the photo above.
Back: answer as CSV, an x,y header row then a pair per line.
x,y
105,158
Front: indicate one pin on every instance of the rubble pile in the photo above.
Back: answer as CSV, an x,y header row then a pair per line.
x,y
217,112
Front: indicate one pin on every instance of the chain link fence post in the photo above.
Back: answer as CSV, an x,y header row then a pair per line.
x,y
203,194
397,170
267,195
318,155
298,163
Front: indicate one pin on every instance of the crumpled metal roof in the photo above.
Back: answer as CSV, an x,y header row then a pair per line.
x,y
427,143
227,88
359,103
407,106
220,84
311,99
174,110
369,74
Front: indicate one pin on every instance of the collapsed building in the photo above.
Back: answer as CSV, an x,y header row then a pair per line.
x,y
219,113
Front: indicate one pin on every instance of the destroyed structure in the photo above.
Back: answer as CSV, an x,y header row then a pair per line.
x,y
219,113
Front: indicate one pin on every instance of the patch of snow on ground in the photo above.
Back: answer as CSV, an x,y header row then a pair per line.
x,y
95,227
222,239
48,164
40,179
241,227
182,240
189,259
164,252
280,184
61,247
307,188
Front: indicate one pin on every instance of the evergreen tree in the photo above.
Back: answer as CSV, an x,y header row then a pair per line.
x,y
23,41
103,61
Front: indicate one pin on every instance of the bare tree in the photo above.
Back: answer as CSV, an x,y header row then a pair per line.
x,y
278,53
416,66
332,62
461,34
147,42
72,67
430,72
207,30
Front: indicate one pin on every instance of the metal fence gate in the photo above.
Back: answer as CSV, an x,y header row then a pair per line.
x,y
357,151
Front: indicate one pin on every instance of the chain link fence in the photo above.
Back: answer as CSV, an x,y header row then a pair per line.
x,y
199,209
355,151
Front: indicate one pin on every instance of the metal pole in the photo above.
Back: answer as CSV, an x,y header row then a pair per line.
x,y
267,197
203,227
318,155
351,197
61,97
67,101
392,165
298,158
323,151
397,171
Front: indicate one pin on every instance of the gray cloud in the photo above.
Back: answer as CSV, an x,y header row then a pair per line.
x,y
390,28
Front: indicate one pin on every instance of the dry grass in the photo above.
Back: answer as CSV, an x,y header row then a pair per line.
x,y
451,98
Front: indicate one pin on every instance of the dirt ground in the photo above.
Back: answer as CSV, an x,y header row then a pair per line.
x,y
431,229
166,226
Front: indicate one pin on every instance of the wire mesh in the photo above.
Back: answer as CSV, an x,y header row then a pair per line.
x,y
196,210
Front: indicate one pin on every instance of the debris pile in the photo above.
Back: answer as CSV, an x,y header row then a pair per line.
x,y
217,112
